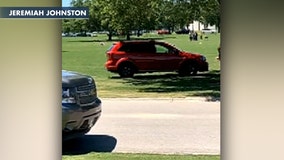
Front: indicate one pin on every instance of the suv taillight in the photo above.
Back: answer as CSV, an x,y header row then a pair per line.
x,y
108,55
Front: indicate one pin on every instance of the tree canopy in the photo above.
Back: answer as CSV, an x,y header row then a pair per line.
x,y
125,16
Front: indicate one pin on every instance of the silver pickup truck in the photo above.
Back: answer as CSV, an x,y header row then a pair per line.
x,y
81,108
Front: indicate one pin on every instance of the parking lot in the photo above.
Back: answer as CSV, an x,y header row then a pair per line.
x,y
143,125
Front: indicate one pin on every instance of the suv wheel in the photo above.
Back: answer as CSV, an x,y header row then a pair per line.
x,y
187,69
126,70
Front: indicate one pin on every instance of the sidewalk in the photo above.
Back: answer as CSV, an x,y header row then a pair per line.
x,y
201,99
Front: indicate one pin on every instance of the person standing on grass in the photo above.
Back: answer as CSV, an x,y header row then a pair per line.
x,y
195,36
190,35
201,36
219,53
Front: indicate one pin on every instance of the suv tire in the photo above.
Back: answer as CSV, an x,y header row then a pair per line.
x,y
126,70
187,69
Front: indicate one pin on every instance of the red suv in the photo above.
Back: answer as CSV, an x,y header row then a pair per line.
x,y
140,56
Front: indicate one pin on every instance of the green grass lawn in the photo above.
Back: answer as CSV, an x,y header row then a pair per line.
x,y
87,55
124,156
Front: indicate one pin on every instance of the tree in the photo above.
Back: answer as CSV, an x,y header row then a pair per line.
x,y
205,11
182,13
105,15
125,16
146,13
66,26
212,15
82,25
176,13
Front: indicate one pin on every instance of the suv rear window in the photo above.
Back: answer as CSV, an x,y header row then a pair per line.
x,y
110,47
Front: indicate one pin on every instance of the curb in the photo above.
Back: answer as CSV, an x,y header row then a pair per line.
x,y
201,99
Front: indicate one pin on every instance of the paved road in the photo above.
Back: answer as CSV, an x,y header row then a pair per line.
x,y
171,126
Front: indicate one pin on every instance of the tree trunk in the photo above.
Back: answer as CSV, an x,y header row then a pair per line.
x,y
138,33
169,29
109,35
128,36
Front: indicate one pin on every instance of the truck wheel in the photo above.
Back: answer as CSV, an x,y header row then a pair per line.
x,y
126,70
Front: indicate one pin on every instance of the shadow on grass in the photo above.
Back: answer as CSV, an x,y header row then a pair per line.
x,y
203,84
122,39
89,143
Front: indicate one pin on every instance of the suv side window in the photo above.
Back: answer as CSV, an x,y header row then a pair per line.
x,y
138,48
162,49
148,48
127,48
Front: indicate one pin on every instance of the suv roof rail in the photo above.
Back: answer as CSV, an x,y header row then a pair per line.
x,y
142,40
